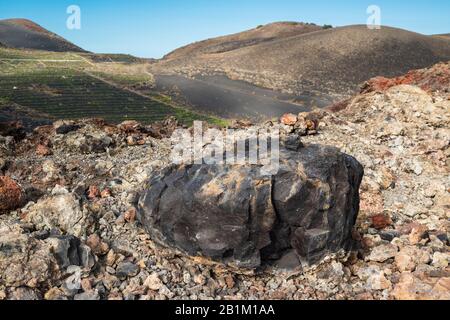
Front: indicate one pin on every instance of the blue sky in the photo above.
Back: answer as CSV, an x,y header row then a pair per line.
x,y
152,28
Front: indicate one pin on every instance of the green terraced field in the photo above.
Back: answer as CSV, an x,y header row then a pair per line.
x,y
69,94
122,58
63,90
127,80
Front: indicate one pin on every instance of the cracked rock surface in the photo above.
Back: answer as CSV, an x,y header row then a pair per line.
x,y
238,214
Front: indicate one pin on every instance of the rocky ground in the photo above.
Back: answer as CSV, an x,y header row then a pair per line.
x,y
68,194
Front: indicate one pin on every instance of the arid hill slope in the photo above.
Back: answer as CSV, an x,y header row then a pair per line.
x,y
22,33
261,34
330,62
446,36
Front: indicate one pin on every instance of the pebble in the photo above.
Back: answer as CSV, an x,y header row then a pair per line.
x,y
126,269
55,294
200,279
153,282
186,277
93,192
374,277
409,257
381,221
91,295
289,119
110,258
418,232
97,245
417,168
229,280
11,194
130,215
441,260
382,253
110,270
389,235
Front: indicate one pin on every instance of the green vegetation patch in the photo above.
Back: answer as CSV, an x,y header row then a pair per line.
x,y
135,79
57,85
72,94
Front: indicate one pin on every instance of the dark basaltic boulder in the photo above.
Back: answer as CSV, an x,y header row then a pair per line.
x,y
238,215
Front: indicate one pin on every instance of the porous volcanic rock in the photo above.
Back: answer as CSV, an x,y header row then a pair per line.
x,y
24,260
11,195
237,215
61,212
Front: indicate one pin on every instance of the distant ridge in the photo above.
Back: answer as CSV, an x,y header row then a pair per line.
x,y
260,34
25,34
446,35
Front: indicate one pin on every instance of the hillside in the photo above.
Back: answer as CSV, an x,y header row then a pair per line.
x,y
445,36
25,34
257,74
260,34
325,65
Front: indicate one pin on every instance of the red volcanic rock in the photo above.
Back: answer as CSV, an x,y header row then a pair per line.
x,y
378,84
436,78
381,221
289,119
11,195
93,192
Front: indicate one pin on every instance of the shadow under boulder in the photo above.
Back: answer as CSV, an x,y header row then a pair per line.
x,y
238,215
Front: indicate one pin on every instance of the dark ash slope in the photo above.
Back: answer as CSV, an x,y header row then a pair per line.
x,y
25,34
328,61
